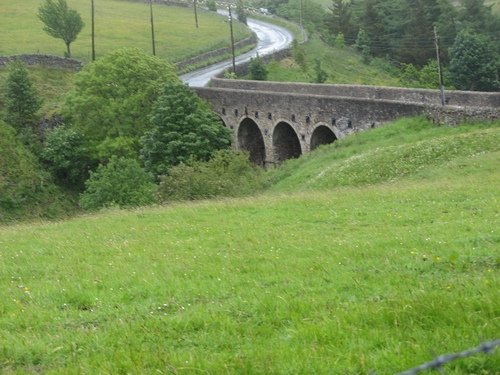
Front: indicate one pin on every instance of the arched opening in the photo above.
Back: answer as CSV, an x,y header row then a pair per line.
x,y
286,144
250,139
322,135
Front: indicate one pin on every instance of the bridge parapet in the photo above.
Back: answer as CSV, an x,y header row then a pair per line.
x,y
401,94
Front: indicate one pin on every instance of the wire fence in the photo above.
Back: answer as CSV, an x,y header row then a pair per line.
x,y
438,362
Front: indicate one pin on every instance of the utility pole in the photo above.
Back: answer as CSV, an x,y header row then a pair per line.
x,y
232,37
93,31
195,14
440,71
301,21
152,26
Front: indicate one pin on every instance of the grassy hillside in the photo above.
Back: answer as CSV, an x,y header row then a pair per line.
x,y
118,24
342,65
364,277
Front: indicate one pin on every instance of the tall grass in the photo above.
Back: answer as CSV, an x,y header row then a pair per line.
x,y
118,23
347,280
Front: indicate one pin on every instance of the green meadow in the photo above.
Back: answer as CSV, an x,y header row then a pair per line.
x,y
371,255
118,23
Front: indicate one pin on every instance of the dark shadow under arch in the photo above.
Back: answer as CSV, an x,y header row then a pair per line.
x,y
322,135
250,139
286,144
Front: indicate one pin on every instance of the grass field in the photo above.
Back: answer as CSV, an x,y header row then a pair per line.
x,y
118,24
313,277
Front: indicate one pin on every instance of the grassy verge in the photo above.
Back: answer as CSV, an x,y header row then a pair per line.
x,y
118,24
347,280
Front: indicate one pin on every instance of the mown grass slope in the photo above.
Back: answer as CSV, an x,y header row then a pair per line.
x,y
118,23
377,275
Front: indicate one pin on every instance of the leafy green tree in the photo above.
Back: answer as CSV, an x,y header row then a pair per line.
x,y
240,12
362,45
66,156
22,102
473,63
212,6
320,75
122,182
60,21
257,69
182,127
112,99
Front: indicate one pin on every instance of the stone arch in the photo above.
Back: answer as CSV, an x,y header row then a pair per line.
x,y
250,139
286,143
322,135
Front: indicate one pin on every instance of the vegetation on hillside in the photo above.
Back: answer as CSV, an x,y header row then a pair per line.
x,y
351,279
402,33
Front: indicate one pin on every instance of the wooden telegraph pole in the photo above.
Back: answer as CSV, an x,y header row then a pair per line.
x,y
232,37
152,26
195,14
93,31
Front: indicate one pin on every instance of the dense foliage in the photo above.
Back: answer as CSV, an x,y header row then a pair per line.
x,y
257,69
121,183
182,127
227,174
112,99
402,31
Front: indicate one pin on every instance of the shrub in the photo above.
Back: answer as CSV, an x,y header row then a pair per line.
x,y
122,182
212,6
228,174
257,69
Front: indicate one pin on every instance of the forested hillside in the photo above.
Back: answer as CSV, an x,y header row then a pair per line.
x,y
405,33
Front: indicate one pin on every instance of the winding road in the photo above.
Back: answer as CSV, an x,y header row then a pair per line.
x,y
270,37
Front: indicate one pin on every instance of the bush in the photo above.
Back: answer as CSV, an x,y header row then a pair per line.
x,y
212,6
258,71
122,182
228,174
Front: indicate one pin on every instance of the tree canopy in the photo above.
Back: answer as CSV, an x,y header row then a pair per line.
x,y
113,97
183,127
60,21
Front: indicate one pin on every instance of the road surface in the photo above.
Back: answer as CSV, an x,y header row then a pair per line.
x,y
270,38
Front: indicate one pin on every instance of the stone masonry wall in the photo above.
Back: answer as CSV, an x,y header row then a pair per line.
x,y
454,98
47,60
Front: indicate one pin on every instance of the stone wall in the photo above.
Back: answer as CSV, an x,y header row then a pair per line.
x,y
210,54
47,60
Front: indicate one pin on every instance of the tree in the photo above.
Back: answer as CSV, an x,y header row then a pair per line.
x,y
339,20
122,182
112,99
22,102
473,63
240,12
257,69
66,156
299,55
320,75
211,5
182,127
60,21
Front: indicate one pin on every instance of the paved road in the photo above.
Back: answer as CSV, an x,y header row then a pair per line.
x,y
270,38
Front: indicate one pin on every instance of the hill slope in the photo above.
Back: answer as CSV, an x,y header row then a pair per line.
x,y
351,279
118,23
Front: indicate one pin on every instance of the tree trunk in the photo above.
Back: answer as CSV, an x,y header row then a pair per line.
x,y
68,50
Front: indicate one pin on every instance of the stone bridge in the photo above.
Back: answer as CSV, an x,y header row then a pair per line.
x,y
278,121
